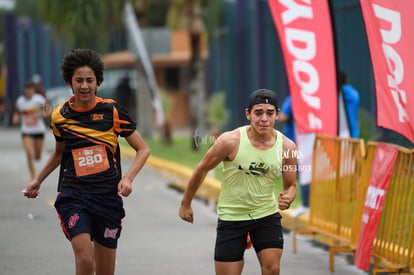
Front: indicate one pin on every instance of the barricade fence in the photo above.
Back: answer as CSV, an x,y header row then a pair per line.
x,y
393,246
336,170
341,172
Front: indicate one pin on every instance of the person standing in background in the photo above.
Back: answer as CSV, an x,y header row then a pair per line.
x,y
348,108
286,117
125,95
29,111
304,143
39,89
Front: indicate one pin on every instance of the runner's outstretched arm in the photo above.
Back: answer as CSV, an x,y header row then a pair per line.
x,y
141,156
216,154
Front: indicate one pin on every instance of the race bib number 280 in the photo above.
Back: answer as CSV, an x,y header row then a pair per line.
x,y
90,160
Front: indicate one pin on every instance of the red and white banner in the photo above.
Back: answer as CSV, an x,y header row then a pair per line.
x,y
305,34
381,170
390,30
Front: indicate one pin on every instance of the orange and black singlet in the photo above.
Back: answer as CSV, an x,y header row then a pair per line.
x,y
91,157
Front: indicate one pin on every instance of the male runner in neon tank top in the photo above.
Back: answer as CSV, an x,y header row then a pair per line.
x,y
86,130
252,156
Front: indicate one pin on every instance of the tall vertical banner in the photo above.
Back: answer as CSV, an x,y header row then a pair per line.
x,y
390,28
305,34
382,166
138,45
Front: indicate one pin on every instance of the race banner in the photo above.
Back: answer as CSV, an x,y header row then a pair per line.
x,y
390,27
382,166
138,47
305,34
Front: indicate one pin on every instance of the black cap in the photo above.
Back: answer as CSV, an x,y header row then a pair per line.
x,y
263,96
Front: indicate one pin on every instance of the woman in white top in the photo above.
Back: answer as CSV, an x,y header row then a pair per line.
x,y
29,107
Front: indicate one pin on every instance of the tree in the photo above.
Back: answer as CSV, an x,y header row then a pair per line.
x,y
90,24
79,22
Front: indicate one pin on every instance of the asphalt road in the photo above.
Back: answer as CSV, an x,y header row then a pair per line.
x,y
154,240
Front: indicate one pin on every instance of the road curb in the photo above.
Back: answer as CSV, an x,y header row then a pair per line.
x,y
209,190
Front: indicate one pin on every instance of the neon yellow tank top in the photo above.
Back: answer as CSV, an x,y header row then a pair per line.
x,y
247,190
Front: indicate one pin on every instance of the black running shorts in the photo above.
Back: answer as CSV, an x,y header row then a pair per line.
x,y
34,136
232,235
99,215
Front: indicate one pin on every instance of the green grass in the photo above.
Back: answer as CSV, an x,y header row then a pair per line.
x,y
181,152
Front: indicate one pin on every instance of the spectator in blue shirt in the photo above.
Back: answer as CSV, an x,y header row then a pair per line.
x,y
350,97
304,145
348,105
286,116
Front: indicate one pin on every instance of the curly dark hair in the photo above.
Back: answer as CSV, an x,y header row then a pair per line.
x,y
79,58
